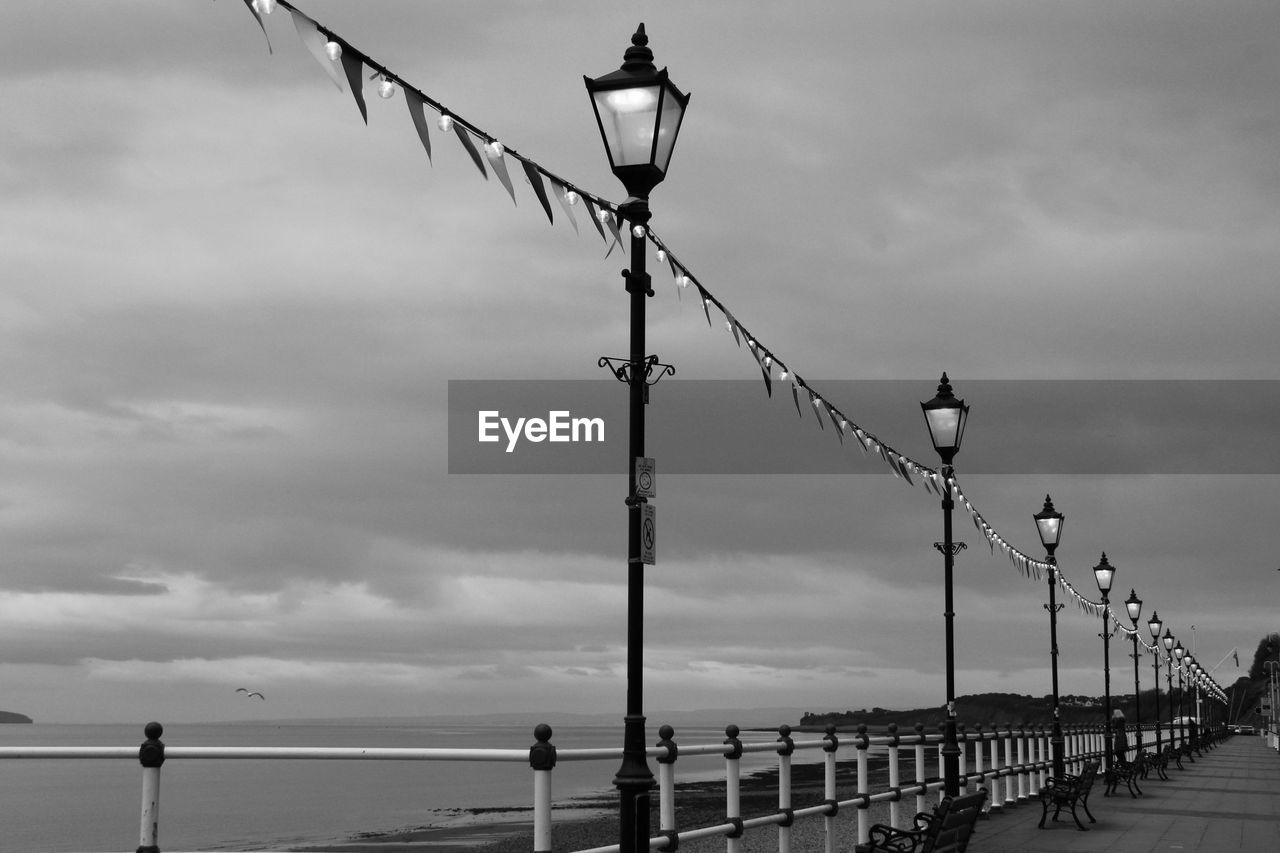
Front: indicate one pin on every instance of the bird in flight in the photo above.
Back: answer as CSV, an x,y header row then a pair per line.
x,y
249,694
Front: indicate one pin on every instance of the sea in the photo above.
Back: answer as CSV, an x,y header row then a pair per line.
x,y
62,805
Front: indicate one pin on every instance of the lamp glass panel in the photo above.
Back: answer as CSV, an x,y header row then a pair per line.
x,y
628,118
1050,530
944,426
1134,606
1104,576
668,127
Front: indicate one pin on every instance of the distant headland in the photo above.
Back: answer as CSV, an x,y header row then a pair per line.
x,y
11,717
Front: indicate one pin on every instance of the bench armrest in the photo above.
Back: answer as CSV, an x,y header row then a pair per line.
x,y
888,839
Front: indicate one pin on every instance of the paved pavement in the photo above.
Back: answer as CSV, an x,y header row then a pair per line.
x,y
1227,800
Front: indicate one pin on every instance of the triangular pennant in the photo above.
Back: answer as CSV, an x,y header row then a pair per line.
x,y
314,42
831,413
733,327
561,193
465,138
535,180
765,371
355,79
815,401
249,5
906,473
611,219
795,397
419,119
498,162
595,217
706,302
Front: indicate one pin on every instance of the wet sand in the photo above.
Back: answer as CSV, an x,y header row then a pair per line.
x,y
584,824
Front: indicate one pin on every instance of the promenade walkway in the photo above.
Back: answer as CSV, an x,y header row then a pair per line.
x,y
1227,801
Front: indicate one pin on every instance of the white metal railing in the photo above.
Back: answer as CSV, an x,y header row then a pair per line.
x,y
1013,763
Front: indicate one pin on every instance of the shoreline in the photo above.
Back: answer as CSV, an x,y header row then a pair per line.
x,y
591,821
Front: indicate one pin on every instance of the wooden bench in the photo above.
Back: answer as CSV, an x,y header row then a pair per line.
x,y
1156,761
1070,791
946,829
1126,772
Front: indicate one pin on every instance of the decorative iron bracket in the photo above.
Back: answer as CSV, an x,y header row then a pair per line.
x,y
956,547
621,369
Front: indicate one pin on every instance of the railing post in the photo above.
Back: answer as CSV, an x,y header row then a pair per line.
x,y
895,776
864,826
1039,776
977,755
151,756
667,786
997,802
786,746
542,758
829,786
1023,773
1034,757
922,796
963,737
732,792
1010,799
942,764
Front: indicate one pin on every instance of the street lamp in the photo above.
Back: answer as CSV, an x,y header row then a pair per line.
x,y
1179,653
946,417
1049,524
1193,680
1133,605
1104,573
638,111
1154,625
1167,641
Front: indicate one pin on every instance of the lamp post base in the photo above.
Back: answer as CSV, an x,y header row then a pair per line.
x,y
634,781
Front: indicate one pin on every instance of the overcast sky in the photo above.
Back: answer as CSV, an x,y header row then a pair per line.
x,y
231,312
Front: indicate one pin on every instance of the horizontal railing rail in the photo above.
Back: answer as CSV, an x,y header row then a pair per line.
x,y
1012,762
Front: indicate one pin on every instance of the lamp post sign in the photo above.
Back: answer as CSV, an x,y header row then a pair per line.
x,y
648,534
646,478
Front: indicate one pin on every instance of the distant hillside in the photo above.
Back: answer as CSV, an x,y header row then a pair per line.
x,y
985,709
10,717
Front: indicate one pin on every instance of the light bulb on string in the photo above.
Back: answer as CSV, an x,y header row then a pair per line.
x,y
662,256
638,232
603,216
570,198
445,123
386,88
264,7
333,50
494,150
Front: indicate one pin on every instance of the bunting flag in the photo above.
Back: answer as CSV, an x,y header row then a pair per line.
x,y
603,213
534,177
417,113
465,138
354,69
498,162
315,43
248,4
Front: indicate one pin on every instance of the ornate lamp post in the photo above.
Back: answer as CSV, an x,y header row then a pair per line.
x,y
1133,605
946,417
1178,653
1049,524
1104,573
1154,624
638,111
1167,641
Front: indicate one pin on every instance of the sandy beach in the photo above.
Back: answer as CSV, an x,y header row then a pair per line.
x,y
591,823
